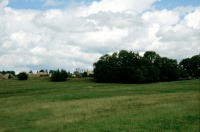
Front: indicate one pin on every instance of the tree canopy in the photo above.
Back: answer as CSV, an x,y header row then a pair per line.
x,y
191,66
22,76
59,76
130,67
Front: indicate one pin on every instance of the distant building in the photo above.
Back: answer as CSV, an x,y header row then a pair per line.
x,y
30,75
40,74
6,76
1,76
90,73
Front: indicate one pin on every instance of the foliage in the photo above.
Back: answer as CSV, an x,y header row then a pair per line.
x,y
84,74
51,71
130,67
41,70
183,74
8,72
59,76
191,66
22,76
9,76
168,69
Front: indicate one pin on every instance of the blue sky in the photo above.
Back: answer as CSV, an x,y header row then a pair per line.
x,y
40,5
170,4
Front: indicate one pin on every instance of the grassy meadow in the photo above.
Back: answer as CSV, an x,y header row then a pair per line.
x,y
83,105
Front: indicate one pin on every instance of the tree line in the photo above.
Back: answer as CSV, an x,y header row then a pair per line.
x,y
130,67
7,72
57,75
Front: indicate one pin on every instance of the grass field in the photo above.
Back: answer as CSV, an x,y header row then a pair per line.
x,y
86,106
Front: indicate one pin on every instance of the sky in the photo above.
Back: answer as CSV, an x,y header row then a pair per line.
x,y
70,34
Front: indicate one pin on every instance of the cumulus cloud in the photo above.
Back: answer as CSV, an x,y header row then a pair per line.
x,y
77,36
163,17
193,19
137,6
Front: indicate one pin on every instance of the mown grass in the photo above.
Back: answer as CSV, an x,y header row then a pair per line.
x,y
83,105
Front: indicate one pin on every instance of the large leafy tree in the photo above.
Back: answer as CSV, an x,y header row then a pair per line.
x,y
128,63
168,69
185,64
130,67
151,56
191,66
149,61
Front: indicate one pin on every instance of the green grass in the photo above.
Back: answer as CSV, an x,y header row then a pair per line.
x,y
86,106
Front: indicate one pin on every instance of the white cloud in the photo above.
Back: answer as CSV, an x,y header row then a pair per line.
x,y
164,17
106,35
38,51
137,6
79,35
193,19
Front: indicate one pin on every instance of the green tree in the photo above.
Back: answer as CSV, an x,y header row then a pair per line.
x,y
3,72
183,73
149,61
59,76
151,55
130,67
168,69
22,76
100,70
195,66
84,74
41,70
139,76
191,66
51,71
118,67
186,65
9,76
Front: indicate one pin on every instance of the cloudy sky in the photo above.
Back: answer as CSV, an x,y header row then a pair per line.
x,y
67,34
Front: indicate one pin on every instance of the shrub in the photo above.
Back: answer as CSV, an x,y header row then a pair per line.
x,y
22,76
9,76
59,76
85,74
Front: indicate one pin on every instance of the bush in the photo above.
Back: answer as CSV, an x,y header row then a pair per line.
x,y
22,76
59,76
9,77
85,74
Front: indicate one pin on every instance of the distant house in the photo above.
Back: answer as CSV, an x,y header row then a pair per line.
x,y
6,76
40,74
90,73
1,76
30,75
